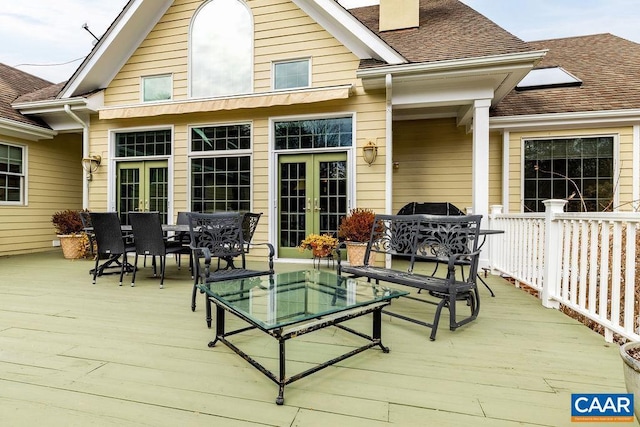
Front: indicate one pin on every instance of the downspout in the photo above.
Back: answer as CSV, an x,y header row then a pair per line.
x,y
389,145
389,152
85,152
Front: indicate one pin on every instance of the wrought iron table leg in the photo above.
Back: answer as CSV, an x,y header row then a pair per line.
x,y
377,329
219,326
280,398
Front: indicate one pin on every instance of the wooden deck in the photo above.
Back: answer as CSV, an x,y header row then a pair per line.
x,y
73,353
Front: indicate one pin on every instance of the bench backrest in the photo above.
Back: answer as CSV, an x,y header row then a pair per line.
x,y
428,238
394,235
442,238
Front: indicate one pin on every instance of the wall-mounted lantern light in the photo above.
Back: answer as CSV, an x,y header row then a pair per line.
x,y
370,152
90,165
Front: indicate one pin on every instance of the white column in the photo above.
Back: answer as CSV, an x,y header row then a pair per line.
x,y
505,171
635,167
480,162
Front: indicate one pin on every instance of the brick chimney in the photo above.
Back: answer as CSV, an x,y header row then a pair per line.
x,y
399,14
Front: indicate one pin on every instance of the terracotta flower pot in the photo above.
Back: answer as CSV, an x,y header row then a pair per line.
x,y
355,253
631,367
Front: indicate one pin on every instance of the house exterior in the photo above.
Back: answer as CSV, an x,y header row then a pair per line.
x,y
40,170
270,106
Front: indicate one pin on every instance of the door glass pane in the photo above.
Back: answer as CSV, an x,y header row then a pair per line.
x,y
333,195
293,194
158,191
129,189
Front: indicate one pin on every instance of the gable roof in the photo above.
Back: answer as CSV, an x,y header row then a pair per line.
x,y
609,67
448,30
13,84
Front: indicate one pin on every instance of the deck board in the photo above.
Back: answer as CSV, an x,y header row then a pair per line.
x,y
81,354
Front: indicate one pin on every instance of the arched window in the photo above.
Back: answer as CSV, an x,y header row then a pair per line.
x,y
221,50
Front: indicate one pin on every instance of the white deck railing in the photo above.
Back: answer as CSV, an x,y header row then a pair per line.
x,y
583,261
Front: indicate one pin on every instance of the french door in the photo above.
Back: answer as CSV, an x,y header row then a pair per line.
x,y
142,187
312,198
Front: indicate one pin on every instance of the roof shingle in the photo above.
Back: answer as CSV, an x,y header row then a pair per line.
x,y
13,84
609,67
448,30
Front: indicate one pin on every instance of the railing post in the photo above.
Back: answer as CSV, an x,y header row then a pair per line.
x,y
552,245
494,249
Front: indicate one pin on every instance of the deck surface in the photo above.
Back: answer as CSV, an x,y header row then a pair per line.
x,y
73,353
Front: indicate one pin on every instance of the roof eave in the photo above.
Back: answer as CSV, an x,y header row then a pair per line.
x,y
342,25
116,46
24,130
565,120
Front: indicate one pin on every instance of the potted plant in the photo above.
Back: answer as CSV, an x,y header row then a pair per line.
x,y
70,230
321,245
355,230
630,354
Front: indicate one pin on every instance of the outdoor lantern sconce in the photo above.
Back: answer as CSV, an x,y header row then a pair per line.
x,y
370,152
90,165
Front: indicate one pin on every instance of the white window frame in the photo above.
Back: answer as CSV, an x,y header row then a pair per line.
x,y
224,153
143,79
616,159
23,177
190,71
274,64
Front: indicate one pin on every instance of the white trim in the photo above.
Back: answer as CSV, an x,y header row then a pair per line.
x,y
25,131
24,176
112,182
308,59
505,171
227,153
616,158
342,25
635,168
448,66
155,76
274,159
587,118
116,46
190,50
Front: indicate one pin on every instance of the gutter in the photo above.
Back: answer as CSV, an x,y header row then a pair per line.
x,y
469,64
85,152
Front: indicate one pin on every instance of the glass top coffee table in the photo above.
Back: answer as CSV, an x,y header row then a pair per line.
x,y
288,305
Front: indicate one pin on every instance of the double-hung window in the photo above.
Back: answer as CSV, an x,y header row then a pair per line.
x,y
12,171
221,168
578,169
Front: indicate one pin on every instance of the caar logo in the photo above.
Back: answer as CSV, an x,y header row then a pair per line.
x,y
602,407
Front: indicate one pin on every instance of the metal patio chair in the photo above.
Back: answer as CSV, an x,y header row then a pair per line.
x,y
110,243
220,235
150,241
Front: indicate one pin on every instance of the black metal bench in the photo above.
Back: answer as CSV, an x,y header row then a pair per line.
x,y
450,240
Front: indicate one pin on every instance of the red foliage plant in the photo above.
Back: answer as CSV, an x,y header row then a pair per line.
x,y
356,226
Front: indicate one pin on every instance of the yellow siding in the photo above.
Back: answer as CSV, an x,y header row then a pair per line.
x,y
623,157
54,175
282,31
434,159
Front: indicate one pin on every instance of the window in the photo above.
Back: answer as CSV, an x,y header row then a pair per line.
x,y
144,143
221,50
560,168
156,88
546,78
320,133
221,168
291,74
11,174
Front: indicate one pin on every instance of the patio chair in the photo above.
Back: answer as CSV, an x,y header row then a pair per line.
x,y
110,243
85,217
220,235
150,241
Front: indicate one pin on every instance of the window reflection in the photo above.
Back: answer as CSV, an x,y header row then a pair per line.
x,y
221,55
